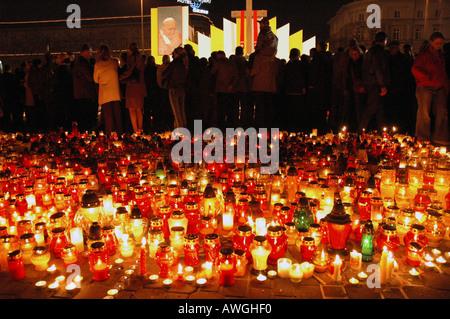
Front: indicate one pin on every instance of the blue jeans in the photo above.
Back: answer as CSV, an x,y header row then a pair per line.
x,y
432,102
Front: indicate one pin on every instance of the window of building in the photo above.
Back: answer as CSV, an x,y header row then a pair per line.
x,y
437,13
396,33
436,28
397,14
420,14
361,17
360,35
419,33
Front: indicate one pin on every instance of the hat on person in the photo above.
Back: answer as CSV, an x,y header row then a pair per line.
x,y
264,20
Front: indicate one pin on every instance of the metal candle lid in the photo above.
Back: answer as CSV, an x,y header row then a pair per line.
x,y
338,215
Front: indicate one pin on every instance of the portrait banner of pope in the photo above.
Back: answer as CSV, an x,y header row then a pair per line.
x,y
170,29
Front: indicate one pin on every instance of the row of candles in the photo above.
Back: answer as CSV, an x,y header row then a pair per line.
x,y
122,220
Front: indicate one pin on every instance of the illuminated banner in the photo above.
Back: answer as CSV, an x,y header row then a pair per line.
x,y
196,5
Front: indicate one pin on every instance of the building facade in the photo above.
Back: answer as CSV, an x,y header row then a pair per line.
x,y
407,21
25,41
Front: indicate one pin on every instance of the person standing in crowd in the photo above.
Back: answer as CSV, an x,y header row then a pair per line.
x,y
263,73
243,86
136,89
36,85
85,92
320,77
226,78
407,51
192,87
107,77
10,96
164,116
206,98
29,105
294,84
63,114
431,92
175,75
48,78
354,92
151,101
376,81
399,109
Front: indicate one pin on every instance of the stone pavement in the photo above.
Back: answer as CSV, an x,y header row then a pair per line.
x,y
430,284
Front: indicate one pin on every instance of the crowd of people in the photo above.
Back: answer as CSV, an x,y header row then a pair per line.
x,y
356,87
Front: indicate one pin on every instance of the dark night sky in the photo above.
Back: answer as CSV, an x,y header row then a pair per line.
x,y
309,15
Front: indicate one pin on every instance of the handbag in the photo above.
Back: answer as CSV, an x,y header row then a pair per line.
x,y
134,77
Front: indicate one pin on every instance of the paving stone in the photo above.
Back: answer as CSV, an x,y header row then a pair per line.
x,y
182,287
205,295
423,292
171,295
436,281
392,293
309,292
256,293
283,287
149,294
238,289
125,295
361,292
333,291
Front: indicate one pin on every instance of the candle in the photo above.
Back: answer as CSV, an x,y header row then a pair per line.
x,y
355,260
100,271
40,284
353,281
362,275
295,273
180,272
207,269
167,282
336,269
386,265
201,282
153,278
76,238
260,226
414,272
272,274
127,247
261,278
228,219
15,265
307,269
143,258
284,267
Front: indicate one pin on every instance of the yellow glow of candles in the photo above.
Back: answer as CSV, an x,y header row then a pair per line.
x,y
112,292
54,285
76,238
296,273
353,281
355,260
51,269
71,286
414,272
207,269
337,271
362,275
441,260
153,278
428,257
260,226
271,274
126,248
167,282
189,278
284,267
228,219
31,200
40,284
261,278
201,282
307,269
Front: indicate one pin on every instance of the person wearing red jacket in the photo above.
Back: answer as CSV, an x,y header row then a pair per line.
x,y
432,90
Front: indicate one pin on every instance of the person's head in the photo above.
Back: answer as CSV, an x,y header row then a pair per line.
x,y
151,60
381,38
394,47
165,59
221,55
437,41
133,48
294,54
169,27
103,53
263,23
239,51
355,53
407,48
178,52
189,49
312,52
86,51
352,43
322,46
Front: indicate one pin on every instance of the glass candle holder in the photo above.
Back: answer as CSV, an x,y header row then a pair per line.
x,y
278,240
243,239
166,258
416,233
308,248
388,238
59,241
211,247
99,261
241,263
15,265
435,229
177,239
40,258
226,266
414,253
191,250
69,255
27,244
260,250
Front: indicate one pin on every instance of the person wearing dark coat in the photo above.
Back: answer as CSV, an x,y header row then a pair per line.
x,y
243,88
294,85
376,82
151,101
85,92
64,115
192,87
320,78
10,95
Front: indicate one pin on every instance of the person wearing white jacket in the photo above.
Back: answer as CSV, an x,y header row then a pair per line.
x,y
107,77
